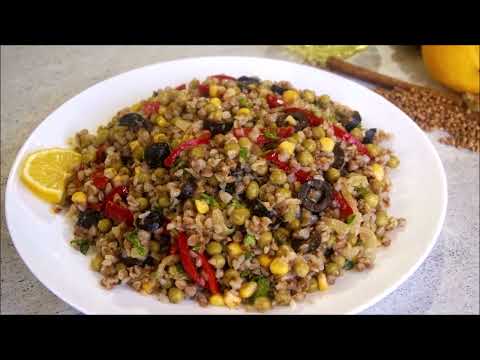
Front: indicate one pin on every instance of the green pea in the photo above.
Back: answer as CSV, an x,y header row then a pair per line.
x,y
305,158
164,201
318,132
332,175
281,235
104,225
393,162
373,149
357,133
214,248
278,177
175,295
252,190
310,145
240,215
332,269
265,239
142,203
381,218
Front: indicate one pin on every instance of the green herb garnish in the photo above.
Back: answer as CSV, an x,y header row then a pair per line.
x,y
249,240
237,204
263,287
350,219
248,255
245,274
133,238
243,153
270,135
83,245
179,164
348,265
210,200
196,247
244,102
180,268
362,191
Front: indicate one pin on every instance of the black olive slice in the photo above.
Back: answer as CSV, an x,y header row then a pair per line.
x,y
323,192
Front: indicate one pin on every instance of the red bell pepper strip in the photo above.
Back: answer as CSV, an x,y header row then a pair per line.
x,y
241,132
97,206
346,136
210,273
120,190
203,139
303,176
173,248
262,140
313,120
204,90
345,209
150,107
274,101
181,87
187,261
101,155
118,213
285,132
223,77
273,157
100,180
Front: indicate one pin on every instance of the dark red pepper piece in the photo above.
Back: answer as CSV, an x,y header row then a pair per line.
x,y
346,136
274,101
100,180
273,157
345,209
210,273
223,77
313,120
204,90
181,87
187,262
203,139
101,154
303,176
118,213
150,108
285,132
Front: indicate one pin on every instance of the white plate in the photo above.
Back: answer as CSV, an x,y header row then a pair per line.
x,y
419,190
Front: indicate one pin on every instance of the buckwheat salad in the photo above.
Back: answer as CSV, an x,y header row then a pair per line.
x,y
236,192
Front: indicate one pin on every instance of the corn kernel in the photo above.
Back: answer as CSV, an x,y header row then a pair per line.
x,y
378,172
202,206
290,120
247,289
79,198
216,300
322,282
327,144
264,260
138,170
290,96
243,111
134,144
231,300
160,137
213,90
96,263
279,266
161,121
287,147
148,286
234,249
216,101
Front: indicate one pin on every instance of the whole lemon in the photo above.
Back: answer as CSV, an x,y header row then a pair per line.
x,y
455,66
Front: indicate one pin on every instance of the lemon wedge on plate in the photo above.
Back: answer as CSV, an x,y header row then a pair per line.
x,y
44,172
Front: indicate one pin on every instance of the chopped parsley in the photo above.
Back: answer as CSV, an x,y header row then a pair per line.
x,y
243,153
83,245
249,240
350,219
132,237
270,135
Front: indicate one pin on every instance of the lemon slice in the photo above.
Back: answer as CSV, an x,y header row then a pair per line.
x,y
45,172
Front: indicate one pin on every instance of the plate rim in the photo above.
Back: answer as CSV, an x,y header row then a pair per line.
x,y
356,309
